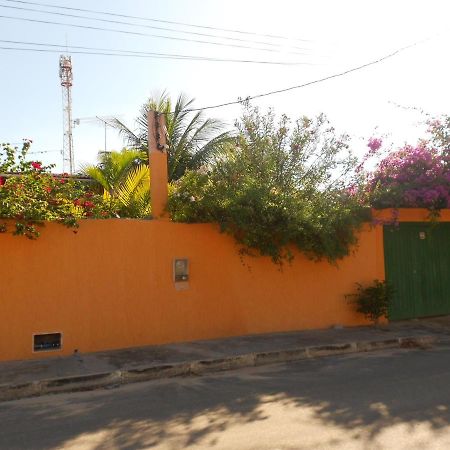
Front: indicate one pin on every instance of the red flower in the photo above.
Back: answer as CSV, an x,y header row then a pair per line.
x,y
88,204
76,202
2,181
48,189
36,165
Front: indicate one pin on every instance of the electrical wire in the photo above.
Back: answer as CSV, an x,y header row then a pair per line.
x,y
136,54
43,151
205,27
310,83
137,33
120,22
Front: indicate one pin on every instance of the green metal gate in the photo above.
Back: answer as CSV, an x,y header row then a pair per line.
x,y
417,260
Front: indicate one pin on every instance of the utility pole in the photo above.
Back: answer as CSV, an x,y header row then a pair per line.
x,y
66,76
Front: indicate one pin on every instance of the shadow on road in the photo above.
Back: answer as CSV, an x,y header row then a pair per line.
x,y
370,391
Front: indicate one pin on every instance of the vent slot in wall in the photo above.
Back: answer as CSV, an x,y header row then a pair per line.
x,y
46,342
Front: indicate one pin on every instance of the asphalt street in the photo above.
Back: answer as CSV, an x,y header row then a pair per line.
x,y
396,399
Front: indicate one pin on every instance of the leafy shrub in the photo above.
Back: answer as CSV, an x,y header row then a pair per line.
x,y
277,187
124,178
416,177
413,176
30,194
439,135
373,300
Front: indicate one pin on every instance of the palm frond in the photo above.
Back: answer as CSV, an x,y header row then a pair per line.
x,y
192,140
96,174
214,147
137,178
131,138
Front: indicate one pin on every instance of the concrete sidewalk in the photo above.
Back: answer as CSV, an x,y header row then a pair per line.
x,y
19,379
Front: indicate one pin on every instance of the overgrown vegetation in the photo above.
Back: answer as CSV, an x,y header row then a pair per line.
x,y
373,300
125,179
414,176
192,139
280,185
31,195
273,184
411,177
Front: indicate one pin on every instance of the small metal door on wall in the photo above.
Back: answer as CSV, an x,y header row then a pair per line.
x,y
417,263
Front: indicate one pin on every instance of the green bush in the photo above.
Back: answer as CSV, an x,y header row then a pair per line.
x,y
30,195
277,187
373,300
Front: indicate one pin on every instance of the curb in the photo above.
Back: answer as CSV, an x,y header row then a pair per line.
x,y
199,367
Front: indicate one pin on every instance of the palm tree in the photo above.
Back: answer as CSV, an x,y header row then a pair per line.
x,y
192,139
125,179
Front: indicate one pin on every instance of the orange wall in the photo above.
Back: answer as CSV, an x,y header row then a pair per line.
x,y
410,215
110,286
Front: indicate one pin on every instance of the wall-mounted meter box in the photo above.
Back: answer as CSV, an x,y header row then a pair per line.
x,y
181,270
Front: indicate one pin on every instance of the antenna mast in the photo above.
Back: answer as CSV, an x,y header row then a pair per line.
x,y
65,73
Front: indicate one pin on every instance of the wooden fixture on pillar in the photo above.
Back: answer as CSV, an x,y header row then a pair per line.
x,y
157,157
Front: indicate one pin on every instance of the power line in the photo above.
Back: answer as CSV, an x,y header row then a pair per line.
x,y
126,53
227,30
43,151
34,152
137,33
309,83
120,22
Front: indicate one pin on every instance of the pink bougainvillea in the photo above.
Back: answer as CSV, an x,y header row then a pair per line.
x,y
374,144
411,177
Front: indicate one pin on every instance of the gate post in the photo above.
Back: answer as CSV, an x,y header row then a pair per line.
x,y
157,158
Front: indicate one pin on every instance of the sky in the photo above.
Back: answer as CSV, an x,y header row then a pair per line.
x,y
322,37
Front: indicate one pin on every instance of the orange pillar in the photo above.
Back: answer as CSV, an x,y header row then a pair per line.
x,y
157,156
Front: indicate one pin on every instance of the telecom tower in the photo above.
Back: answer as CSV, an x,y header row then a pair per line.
x,y
65,73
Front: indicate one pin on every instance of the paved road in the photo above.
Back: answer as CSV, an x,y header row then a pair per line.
x,y
388,400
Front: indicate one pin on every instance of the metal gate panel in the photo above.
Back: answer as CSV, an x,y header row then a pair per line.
x,y
417,261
